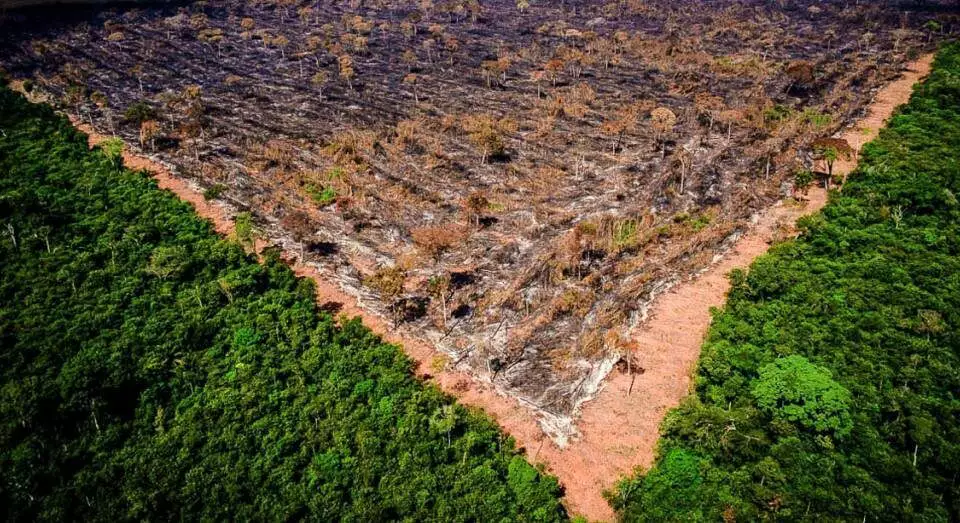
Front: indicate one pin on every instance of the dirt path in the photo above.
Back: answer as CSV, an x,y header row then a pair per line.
x,y
618,431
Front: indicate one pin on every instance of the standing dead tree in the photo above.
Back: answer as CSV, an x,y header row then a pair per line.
x,y
662,120
487,133
345,63
301,226
474,205
439,286
624,121
149,131
411,80
319,80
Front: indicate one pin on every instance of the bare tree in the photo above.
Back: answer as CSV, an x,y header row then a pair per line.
x,y
537,76
411,80
319,80
662,120
301,226
345,62
212,36
116,37
682,156
475,204
440,289
624,122
149,131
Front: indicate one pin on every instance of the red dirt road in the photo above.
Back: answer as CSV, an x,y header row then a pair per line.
x,y
618,431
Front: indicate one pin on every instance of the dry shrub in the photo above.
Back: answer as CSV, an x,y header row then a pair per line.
x,y
561,361
407,131
544,127
348,146
280,152
434,240
300,225
487,133
447,122
783,231
388,281
583,93
572,301
439,363
591,343
398,194
552,107
544,180
408,259
570,248
635,286
573,109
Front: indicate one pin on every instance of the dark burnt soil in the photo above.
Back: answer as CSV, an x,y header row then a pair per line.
x,y
511,186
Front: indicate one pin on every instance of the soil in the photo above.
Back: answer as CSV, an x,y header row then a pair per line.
x,y
618,429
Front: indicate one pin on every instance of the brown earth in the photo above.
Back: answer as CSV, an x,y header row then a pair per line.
x,y
618,430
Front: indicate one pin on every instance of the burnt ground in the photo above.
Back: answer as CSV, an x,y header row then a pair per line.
x,y
512,186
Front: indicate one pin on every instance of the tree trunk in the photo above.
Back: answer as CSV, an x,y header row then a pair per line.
x,y
683,174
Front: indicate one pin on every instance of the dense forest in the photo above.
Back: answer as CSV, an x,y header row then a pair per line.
x,y
829,386
151,370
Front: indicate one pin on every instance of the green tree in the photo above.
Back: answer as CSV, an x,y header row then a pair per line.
x,y
798,391
113,149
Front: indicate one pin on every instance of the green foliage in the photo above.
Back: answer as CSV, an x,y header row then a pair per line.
x,y
624,234
139,112
151,371
669,492
795,390
321,195
827,389
244,229
802,179
778,113
214,191
817,119
113,149
696,222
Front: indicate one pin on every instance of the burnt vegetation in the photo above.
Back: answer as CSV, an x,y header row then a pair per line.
x,y
511,181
